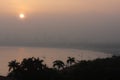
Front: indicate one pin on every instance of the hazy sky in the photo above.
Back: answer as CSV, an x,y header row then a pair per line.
x,y
59,21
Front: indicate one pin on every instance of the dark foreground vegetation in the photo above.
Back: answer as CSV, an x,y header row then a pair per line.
x,y
35,69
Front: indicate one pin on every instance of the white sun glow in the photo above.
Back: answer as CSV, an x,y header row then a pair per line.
x,y
21,16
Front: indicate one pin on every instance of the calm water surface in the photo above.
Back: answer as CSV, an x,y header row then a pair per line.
x,y
48,54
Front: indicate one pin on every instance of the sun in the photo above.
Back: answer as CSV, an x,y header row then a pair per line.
x,y
21,16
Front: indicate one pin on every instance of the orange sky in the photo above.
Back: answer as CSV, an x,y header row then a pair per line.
x,y
50,6
59,21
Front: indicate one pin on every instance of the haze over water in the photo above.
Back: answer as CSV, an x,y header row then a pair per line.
x,y
48,54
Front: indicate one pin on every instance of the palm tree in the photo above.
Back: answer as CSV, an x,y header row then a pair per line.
x,y
32,64
27,64
70,61
38,64
13,65
59,64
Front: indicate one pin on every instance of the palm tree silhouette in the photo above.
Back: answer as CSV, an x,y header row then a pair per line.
x,y
70,61
27,64
38,64
13,65
32,64
58,64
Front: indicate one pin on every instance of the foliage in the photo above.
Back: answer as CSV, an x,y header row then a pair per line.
x,y
59,64
70,61
34,69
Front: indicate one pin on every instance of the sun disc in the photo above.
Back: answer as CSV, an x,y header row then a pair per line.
x,y
22,16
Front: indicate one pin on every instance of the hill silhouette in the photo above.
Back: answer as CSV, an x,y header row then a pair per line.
x,y
35,69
